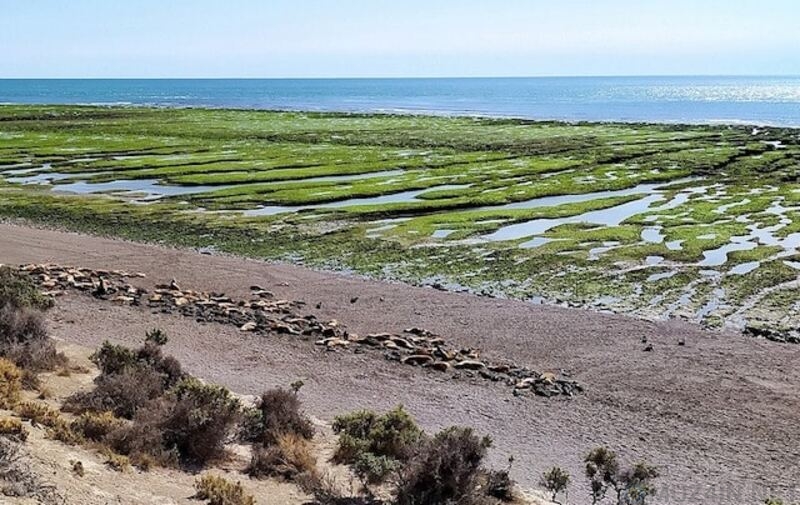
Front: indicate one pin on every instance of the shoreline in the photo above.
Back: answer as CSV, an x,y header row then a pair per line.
x,y
432,113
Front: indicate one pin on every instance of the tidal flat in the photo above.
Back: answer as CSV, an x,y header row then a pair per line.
x,y
653,220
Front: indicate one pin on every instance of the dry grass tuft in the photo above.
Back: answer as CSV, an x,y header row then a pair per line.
x,y
288,458
12,427
219,491
10,384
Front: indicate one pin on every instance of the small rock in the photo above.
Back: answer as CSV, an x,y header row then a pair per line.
x,y
249,326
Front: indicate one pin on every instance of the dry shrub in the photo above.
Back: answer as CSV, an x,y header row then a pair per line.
x,y
24,340
17,478
219,491
65,434
325,490
96,426
144,461
129,379
13,428
118,462
198,419
10,384
190,424
39,413
142,442
23,336
446,470
278,413
288,458
499,485
122,393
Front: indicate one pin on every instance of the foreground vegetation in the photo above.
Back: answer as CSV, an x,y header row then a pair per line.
x,y
658,220
144,410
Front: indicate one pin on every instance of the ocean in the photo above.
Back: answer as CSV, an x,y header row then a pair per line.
x,y
748,100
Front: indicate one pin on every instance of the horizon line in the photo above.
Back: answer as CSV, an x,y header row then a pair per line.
x,y
321,78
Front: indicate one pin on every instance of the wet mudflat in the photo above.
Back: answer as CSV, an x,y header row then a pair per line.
x,y
698,222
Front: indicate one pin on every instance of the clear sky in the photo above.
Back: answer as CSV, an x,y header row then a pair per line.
x,y
391,38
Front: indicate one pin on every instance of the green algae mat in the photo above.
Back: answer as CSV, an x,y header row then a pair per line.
x,y
695,222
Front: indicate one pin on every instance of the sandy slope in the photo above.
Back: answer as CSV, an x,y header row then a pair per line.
x,y
718,415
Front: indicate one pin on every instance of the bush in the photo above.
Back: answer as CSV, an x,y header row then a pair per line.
x,y
114,359
277,413
142,442
636,484
555,480
326,491
13,428
219,491
445,471
601,470
10,384
128,379
23,337
373,469
96,426
39,413
189,424
199,419
121,393
392,435
288,458
24,340
499,485
632,486
64,433
156,336
17,290
118,462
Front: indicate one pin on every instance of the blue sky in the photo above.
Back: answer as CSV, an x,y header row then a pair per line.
x,y
391,38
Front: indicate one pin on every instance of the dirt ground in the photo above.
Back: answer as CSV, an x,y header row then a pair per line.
x,y
719,416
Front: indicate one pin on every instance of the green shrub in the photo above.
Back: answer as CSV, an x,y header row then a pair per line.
x,y
18,291
392,435
156,336
555,481
199,419
373,469
632,486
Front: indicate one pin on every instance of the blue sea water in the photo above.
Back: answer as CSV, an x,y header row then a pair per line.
x,y
756,100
